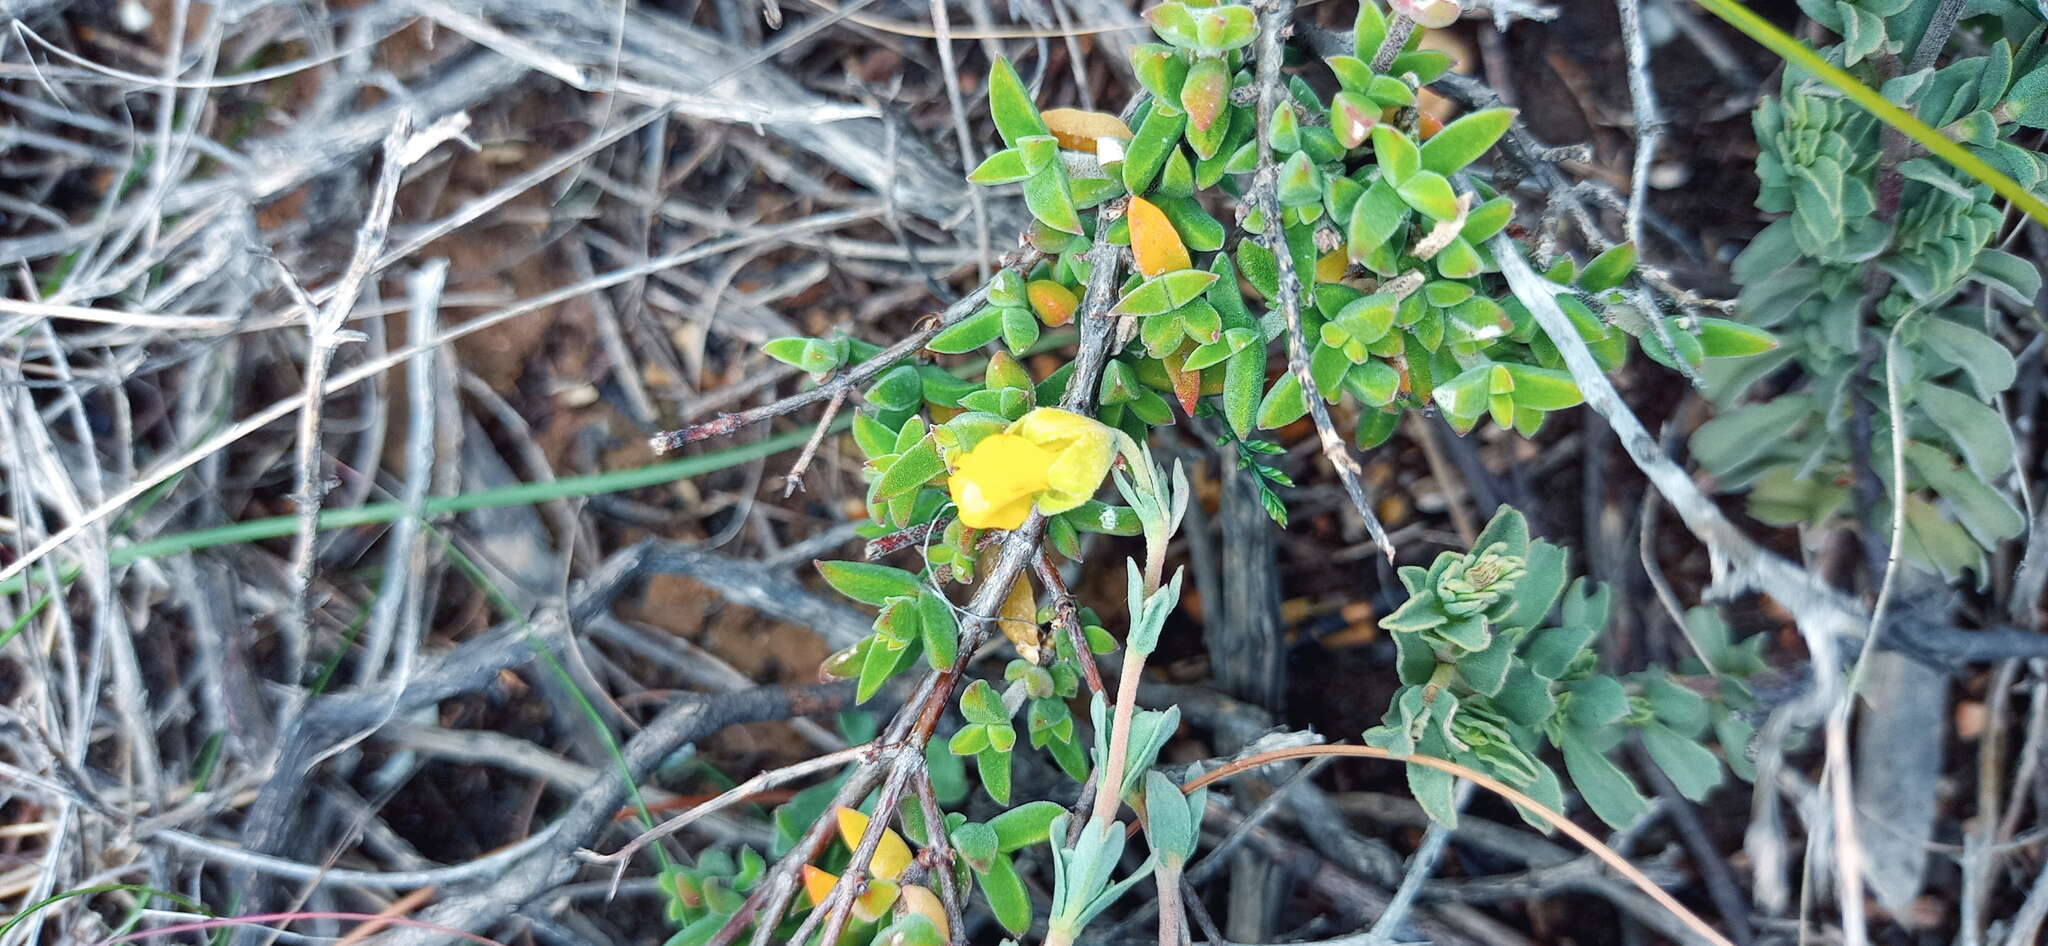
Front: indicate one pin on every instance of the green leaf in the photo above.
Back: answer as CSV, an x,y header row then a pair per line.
x,y
1990,366
1154,141
1487,219
1160,69
1004,892
1541,582
1464,397
1486,671
1300,184
1723,338
2008,275
1607,790
1390,92
940,629
1398,157
1375,217
867,582
1430,193
1609,269
899,389
1985,440
1205,95
1432,788
1596,702
1525,697
1164,293
980,703
875,670
1544,389
971,739
1003,167
1049,199
913,468
1024,825
1011,106
1168,827
993,765
1692,768
1353,74
969,333
1463,141
1283,404
1020,331
1428,65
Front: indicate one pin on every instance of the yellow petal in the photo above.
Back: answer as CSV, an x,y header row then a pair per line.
x,y
891,856
995,483
1083,449
923,902
1155,245
1077,130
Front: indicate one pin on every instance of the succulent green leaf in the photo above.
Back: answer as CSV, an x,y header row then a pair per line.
x,y
1015,116
1461,142
969,333
867,582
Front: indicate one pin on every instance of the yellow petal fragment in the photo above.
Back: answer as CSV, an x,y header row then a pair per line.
x,y
1077,129
891,856
1155,245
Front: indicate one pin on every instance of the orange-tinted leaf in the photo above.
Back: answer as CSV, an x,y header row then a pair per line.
x,y
1054,303
1187,385
1427,125
1155,244
1077,129
818,884
1330,266
921,901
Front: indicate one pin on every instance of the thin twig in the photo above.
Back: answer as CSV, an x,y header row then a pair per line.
x,y
1585,839
1274,17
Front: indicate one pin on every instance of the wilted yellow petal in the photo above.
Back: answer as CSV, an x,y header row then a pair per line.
x,y
995,483
1018,620
921,901
1156,246
1077,130
891,856
1054,303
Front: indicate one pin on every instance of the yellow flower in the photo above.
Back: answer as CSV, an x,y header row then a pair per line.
x,y
1050,458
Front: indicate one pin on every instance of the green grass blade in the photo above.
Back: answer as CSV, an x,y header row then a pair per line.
x,y
1795,52
521,494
